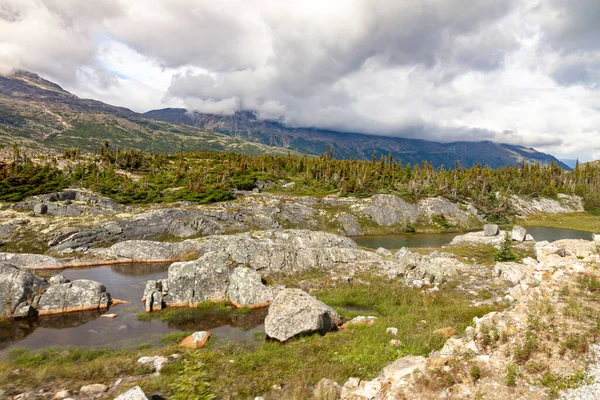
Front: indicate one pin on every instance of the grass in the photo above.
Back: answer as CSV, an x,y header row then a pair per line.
x,y
577,221
485,253
252,369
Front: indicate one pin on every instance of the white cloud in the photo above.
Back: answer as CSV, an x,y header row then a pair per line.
x,y
521,71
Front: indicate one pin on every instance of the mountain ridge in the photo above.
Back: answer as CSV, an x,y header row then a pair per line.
x,y
38,113
246,125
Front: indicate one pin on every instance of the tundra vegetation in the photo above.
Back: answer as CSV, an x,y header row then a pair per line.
x,y
135,177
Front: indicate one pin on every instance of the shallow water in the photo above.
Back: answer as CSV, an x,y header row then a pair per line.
x,y
127,282
417,240
124,282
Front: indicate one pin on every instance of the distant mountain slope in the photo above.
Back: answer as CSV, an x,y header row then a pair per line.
x,y
245,125
39,114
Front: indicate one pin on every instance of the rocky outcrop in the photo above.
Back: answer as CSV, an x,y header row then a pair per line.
x,y
294,313
31,260
247,290
148,251
69,203
79,295
417,270
23,295
18,290
562,204
387,210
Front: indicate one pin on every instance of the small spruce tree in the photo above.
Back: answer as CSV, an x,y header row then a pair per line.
x,y
506,252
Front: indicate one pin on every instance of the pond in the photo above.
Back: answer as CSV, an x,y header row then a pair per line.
x,y
127,282
417,240
124,282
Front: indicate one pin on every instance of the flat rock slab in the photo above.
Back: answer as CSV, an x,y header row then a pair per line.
x,y
196,340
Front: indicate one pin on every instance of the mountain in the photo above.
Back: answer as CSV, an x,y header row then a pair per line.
x,y
246,126
569,162
40,114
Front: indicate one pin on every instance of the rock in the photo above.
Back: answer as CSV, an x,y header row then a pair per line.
x,y
153,296
360,320
417,269
135,393
156,363
350,226
196,340
40,209
79,295
294,312
392,331
288,185
61,395
147,250
34,261
445,332
109,316
491,230
596,238
6,230
247,290
18,288
193,282
514,272
518,233
477,238
327,390
402,368
395,342
388,210
529,238
529,206
561,252
24,310
57,280
95,389
384,252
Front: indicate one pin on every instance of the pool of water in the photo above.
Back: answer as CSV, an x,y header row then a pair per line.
x,y
124,282
417,240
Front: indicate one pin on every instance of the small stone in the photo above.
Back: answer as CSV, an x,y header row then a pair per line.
x,y
351,383
58,279
518,233
392,331
93,389
156,362
197,340
63,394
327,389
561,252
360,320
395,342
109,315
135,393
491,230
383,252
445,332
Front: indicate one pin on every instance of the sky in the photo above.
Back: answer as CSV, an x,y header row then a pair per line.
x,y
523,72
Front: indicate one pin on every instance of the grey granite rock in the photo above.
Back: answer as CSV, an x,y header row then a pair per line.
x,y
294,312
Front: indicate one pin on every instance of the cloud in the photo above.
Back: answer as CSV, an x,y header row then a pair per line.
x,y
520,71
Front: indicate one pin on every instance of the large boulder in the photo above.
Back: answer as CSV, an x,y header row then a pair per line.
x,y
135,393
294,312
518,233
194,282
18,289
79,295
247,290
